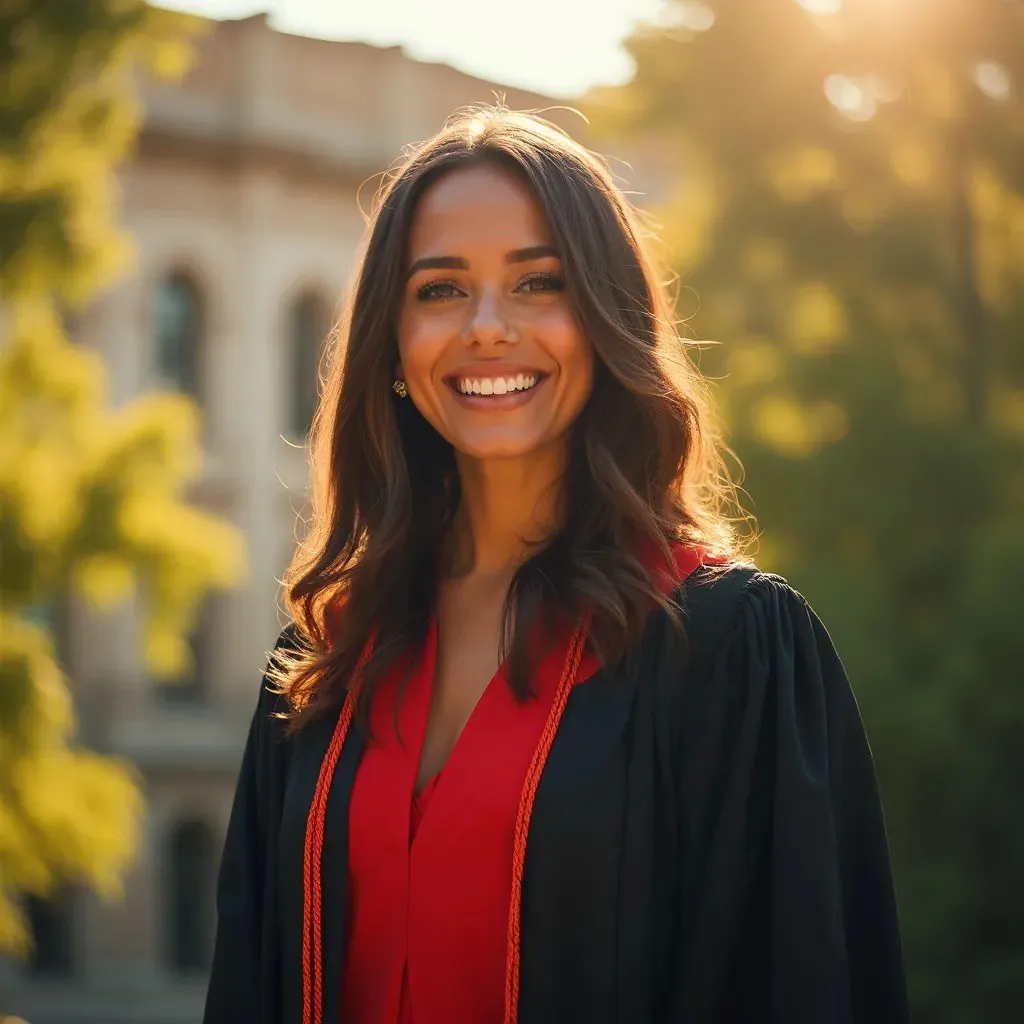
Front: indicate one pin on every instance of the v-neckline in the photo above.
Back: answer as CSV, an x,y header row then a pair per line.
x,y
428,684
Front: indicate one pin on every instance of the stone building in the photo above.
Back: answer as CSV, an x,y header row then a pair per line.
x,y
243,201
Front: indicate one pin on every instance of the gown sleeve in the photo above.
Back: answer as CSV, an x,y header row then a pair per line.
x,y
787,910
244,985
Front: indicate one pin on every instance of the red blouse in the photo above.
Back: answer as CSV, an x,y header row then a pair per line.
x,y
430,874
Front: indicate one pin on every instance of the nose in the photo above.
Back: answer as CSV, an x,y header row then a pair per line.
x,y
489,323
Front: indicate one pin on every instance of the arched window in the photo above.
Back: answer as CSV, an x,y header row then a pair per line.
x,y
51,923
194,686
307,329
177,333
189,897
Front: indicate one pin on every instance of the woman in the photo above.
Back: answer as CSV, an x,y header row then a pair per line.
x,y
537,747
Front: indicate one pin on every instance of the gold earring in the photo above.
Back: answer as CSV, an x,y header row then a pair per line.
x,y
400,388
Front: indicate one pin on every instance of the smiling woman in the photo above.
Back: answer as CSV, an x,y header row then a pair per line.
x,y
538,747
488,339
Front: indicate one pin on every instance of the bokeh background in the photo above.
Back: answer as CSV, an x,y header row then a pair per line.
x,y
840,191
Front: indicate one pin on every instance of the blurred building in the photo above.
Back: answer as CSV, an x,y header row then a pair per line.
x,y
244,202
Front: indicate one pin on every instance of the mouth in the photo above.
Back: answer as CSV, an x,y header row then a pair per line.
x,y
487,387
496,392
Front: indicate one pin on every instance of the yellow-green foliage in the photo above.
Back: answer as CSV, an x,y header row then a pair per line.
x,y
92,500
848,225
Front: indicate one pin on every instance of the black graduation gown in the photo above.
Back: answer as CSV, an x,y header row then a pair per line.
x,y
707,841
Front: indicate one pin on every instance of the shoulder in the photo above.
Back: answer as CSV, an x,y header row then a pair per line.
x,y
271,703
288,643
716,601
289,639
720,603
751,637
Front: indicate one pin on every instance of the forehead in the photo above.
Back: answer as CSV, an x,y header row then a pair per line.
x,y
474,207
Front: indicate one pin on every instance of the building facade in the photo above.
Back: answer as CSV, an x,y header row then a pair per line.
x,y
243,199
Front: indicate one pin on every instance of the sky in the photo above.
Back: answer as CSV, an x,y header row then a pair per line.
x,y
558,47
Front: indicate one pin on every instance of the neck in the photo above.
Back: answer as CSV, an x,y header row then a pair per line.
x,y
509,508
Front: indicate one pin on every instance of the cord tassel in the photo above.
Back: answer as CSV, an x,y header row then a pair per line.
x,y
312,939
312,936
573,659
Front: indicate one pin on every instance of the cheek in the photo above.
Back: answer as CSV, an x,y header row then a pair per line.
x,y
421,343
570,349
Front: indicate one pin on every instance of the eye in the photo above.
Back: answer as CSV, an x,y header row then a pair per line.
x,y
541,283
438,291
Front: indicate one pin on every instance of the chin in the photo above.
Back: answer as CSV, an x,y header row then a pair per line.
x,y
484,449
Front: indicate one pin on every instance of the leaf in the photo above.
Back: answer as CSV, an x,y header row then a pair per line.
x,y
93,500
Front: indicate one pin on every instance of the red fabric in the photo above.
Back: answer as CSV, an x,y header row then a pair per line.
x,y
430,873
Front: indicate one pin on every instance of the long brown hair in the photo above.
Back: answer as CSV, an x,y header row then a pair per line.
x,y
643,467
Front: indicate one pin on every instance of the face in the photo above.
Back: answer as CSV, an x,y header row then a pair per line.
x,y
488,341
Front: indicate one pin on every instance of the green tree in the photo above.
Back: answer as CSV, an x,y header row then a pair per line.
x,y
91,500
849,213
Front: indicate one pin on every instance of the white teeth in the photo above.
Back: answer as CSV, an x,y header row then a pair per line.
x,y
496,385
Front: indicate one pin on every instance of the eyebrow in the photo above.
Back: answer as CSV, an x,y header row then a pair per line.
x,y
531,252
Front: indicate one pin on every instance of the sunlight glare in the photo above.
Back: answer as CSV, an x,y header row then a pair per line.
x,y
694,17
849,97
821,6
559,49
993,80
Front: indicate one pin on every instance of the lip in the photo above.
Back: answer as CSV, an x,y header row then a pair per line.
x,y
494,403
492,369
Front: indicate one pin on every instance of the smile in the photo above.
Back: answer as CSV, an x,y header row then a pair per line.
x,y
496,385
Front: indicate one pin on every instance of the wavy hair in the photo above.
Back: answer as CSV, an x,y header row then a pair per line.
x,y
644,466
